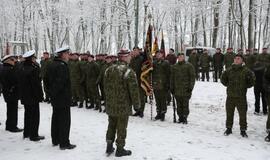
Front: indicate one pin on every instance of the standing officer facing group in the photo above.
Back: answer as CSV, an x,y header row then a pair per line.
x,y
238,78
121,93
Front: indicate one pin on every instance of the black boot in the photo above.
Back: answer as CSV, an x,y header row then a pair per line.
x,y
141,114
180,119
158,116
162,116
110,148
122,152
136,114
244,134
91,106
267,138
81,105
228,131
185,120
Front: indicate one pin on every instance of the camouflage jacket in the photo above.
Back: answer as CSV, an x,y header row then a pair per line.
x,y
264,58
193,59
136,65
250,60
182,79
228,59
121,90
92,73
75,71
161,75
44,67
237,79
205,60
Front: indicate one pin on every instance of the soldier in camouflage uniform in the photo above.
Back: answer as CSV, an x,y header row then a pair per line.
x,y
228,58
108,62
161,84
249,59
101,61
182,80
91,78
218,61
82,87
267,90
264,57
205,61
121,92
74,71
194,60
238,78
171,58
44,67
136,64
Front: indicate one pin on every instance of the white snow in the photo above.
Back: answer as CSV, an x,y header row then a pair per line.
x,y
201,139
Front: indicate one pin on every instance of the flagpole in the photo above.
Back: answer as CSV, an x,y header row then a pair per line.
x,y
136,22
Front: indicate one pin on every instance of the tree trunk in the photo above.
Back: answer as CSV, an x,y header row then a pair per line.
x,y
216,23
251,24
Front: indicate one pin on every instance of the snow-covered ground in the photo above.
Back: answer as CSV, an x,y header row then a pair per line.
x,y
202,138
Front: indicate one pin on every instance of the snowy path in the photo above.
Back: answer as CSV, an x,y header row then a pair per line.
x,y
201,139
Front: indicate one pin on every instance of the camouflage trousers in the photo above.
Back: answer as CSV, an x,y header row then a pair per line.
x,y
268,118
182,106
205,73
142,99
117,125
161,98
93,94
241,104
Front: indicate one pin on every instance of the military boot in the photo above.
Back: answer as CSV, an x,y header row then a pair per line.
x,y
267,138
81,105
228,131
122,152
110,148
185,120
244,134
180,119
158,116
162,116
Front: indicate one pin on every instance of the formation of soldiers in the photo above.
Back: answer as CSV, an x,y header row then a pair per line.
x,y
112,84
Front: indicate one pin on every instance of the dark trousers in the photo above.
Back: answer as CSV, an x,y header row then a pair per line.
x,y
60,126
161,98
12,115
217,74
260,93
31,120
182,106
205,73
241,105
117,125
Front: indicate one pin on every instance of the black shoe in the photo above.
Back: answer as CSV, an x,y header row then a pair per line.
x,y
110,149
180,119
265,113
267,138
55,144
122,152
25,136
81,105
228,131
91,106
137,113
69,146
14,130
141,114
96,108
38,138
158,116
185,120
244,134
162,117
